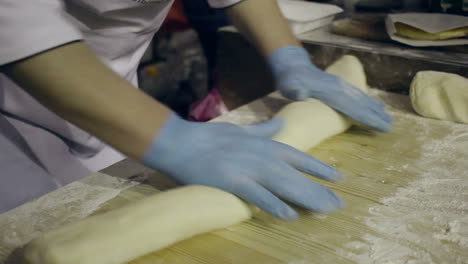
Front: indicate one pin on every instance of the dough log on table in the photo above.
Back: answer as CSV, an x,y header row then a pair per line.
x,y
308,123
137,229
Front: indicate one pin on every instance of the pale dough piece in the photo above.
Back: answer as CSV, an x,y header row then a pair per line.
x,y
350,69
137,229
410,32
308,123
440,95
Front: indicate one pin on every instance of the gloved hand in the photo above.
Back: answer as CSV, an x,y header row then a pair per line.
x,y
244,161
298,79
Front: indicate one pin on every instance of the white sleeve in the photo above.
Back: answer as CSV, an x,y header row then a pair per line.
x,y
30,27
223,3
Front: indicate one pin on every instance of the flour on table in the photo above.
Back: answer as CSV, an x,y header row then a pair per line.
x,y
68,204
436,201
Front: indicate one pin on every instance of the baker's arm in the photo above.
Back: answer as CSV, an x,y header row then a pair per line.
x,y
71,81
263,24
40,50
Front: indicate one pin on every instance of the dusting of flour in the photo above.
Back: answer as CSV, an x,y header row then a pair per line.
x,y
427,221
65,205
424,222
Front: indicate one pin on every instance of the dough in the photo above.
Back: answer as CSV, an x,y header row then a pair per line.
x,y
410,32
350,69
440,95
310,122
137,229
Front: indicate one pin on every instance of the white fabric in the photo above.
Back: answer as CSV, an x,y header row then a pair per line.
x,y
29,27
16,168
223,3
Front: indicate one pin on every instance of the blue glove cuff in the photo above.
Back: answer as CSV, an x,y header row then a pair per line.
x,y
285,58
164,143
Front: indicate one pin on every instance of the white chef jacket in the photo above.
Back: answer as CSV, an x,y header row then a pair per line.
x,y
118,31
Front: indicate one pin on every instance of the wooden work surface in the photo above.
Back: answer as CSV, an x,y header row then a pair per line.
x,y
407,196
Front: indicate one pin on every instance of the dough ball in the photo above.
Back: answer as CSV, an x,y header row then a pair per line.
x,y
440,95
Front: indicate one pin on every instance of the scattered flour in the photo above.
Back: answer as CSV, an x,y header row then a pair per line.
x,y
427,221
68,204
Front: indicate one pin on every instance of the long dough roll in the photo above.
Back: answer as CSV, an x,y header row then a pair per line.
x,y
134,230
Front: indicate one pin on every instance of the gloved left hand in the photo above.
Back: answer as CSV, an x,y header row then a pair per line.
x,y
298,78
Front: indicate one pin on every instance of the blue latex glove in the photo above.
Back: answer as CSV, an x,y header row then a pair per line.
x,y
244,161
298,79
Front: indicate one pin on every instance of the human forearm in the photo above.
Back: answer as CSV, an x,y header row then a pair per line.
x,y
73,83
262,23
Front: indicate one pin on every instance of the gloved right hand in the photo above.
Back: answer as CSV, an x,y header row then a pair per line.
x,y
244,161
299,79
